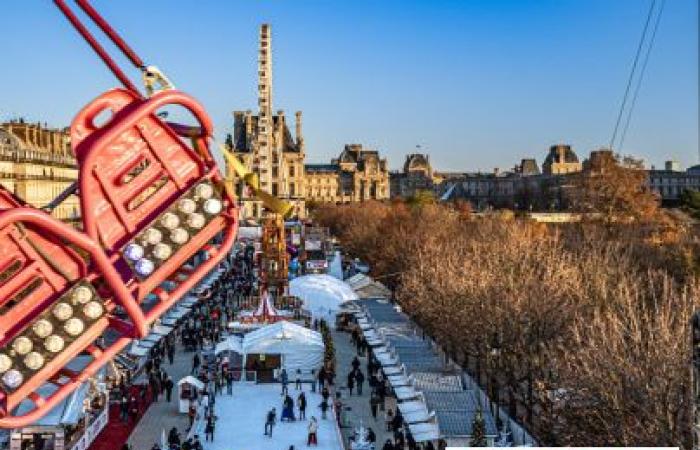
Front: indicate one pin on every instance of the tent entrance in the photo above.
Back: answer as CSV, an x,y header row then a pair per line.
x,y
264,365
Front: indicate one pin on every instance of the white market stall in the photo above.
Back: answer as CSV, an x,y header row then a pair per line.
x,y
297,347
322,295
185,391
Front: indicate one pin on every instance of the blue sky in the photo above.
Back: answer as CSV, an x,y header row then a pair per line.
x,y
478,84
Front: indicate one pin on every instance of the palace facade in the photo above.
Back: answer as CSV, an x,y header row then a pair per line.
x,y
358,174
36,164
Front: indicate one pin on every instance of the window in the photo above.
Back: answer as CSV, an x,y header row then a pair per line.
x,y
274,188
291,170
292,190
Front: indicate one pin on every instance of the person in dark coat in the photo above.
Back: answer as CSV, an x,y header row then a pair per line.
x,y
168,384
209,428
301,402
374,404
360,378
195,363
351,382
388,445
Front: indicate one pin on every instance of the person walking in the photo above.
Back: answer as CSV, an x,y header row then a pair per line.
x,y
124,408
168,388
297,385
355,363
351,381
301,402
313,429
285,381
209,428
313,380
195,363
360,379
374,404
270,421
324,408
229,383
171,353
388,445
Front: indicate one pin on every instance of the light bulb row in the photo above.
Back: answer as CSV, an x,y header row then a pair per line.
x,y
173,229
46,337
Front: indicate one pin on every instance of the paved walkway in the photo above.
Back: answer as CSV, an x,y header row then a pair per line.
x,y
162,415
360,411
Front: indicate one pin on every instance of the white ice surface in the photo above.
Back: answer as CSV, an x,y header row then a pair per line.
x,y
241,423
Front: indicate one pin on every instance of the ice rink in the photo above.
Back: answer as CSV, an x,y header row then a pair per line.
x,y
241,420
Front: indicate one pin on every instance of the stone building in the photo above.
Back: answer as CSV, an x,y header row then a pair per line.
x,y
357,174
265,145
561,160
417,175
36,164
670,183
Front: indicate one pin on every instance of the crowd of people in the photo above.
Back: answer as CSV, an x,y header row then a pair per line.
x,y
207,324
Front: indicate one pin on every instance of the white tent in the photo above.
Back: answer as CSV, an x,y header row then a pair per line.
x,y
298,347
322,295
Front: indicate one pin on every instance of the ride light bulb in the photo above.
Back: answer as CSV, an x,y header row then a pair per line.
x,y
144,267
195,221
204,191
179,236
33,361
54,343
62,311
152,236
12,379
92,310
5,363
134,252
82,294
42,328
74,326
186,206
162,251
22,345
169,220
213,206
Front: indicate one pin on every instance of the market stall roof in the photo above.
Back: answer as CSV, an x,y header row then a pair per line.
x,y
430,381
405,393
280,335
137,350
300,347
321,294
69,410
189,379
161,330
412,406
424,431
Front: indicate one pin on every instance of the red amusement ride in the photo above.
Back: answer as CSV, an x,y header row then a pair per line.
x,y
156,219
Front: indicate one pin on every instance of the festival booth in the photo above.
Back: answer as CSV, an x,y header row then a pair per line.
x,y
274,347
322,295
187,392
72,424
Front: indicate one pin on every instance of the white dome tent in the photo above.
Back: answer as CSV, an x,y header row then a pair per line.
x,y
323,295
298,347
